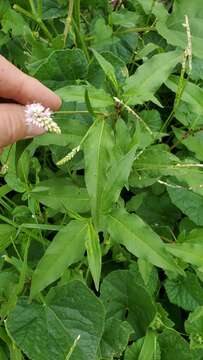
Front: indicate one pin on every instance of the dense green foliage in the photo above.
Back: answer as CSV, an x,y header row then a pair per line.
x,y
102,255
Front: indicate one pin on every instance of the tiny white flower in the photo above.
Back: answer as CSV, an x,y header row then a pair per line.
x,y
69,156
38,115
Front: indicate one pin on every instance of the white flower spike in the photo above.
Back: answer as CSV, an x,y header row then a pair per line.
x,y
38,115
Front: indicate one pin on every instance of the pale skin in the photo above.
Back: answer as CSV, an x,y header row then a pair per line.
x,y
22,90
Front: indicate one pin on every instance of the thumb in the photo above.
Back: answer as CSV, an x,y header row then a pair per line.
x,y
13,126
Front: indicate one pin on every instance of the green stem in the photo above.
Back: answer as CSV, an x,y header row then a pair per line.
x,y
134,29
77,13
34,17
39,8
80,41
24,12
44,28
68,21
32,5
82,112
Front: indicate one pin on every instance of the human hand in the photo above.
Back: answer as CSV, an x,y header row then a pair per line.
x,y
23,89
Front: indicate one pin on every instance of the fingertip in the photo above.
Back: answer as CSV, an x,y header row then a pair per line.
x,y
57,102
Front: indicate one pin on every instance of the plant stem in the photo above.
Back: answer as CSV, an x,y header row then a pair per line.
x,y
134,29
82,112
77,13
34,16
44,28
39,8
24,12
68,21
72,348
32,5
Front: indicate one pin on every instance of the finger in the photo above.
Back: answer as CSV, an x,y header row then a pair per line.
x,y
13,126
1,150
24,89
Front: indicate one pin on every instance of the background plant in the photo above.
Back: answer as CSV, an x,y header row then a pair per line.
x,y
101,225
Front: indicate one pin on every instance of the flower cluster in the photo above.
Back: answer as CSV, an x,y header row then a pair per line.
x,y
38,115
69,156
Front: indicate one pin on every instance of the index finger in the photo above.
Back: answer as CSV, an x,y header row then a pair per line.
x,y
24,89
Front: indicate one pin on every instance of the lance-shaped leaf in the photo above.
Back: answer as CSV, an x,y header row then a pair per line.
x,y
93,254
139,239
107,68
117,177
67,247
142,85
149,347
97,150
192,93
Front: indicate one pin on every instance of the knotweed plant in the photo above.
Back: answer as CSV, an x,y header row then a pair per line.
x,y
102,258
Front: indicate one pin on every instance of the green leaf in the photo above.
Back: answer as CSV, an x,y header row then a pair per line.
x,y
122,45
191,250
123,137
142,85
97,77
147,5
4,6
148,351
67,247
115,338
3,355
97,151
193,143
7,235
146,275
185,292
92,245
107,68
139,239
117,178
124,298
125,18
194,328
52,9
62,65
8,280
98,97
171,27
71,312
174,346
188,202
156,210
62,195
151,348
133,351
187,117
152,118
192,94
14,22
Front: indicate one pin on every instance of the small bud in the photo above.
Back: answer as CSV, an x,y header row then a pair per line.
x,y
4,169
